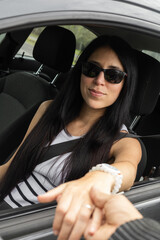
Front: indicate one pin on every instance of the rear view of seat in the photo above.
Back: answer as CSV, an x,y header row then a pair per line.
x,y
10,45
21,93
144,102
150,125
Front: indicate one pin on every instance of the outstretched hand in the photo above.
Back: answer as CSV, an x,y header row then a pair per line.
x,y
75,207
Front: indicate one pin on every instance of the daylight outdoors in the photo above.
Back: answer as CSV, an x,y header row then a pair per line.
x,y
83,37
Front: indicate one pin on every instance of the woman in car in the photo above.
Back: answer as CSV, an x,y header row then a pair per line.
x,y
92,107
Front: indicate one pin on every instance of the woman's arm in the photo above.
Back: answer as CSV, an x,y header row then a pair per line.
x,y
73,211
127,153
42,108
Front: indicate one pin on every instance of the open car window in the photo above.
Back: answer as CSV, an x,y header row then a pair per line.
x,y
155,55
27,47
82,34
138,24
2,36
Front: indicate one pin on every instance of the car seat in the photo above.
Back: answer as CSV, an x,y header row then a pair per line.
x,y
22,92
144,102
9,46
150,126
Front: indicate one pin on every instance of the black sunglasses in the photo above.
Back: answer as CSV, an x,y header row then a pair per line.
x,y
91,70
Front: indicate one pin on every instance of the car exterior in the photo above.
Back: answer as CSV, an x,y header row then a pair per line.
x,y
138,22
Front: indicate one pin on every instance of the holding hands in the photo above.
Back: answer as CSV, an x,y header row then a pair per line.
x,y
116,210
75,206
86,207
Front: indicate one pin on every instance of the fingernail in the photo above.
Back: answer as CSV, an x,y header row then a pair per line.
x,y
55,232
91,231
91,234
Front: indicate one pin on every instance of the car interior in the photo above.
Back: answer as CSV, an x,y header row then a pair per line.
x,y
27,81
23,91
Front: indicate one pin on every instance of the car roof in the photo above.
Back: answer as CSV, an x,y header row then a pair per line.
x,y
128,19
139,12
98,5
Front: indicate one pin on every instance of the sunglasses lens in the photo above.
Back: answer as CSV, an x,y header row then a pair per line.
x,y
113,76
90,69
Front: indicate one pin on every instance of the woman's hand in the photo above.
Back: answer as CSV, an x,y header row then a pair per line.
x,y
75,206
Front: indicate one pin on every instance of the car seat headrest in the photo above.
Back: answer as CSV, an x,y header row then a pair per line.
x,y
55,48
11,44
147,85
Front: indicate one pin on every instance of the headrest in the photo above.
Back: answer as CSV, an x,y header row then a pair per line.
x,y
11,44
55,48
147,86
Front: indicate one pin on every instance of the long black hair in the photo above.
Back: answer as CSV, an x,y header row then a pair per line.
x,y
95,146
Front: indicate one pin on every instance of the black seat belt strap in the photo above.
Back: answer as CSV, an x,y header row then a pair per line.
x,y
59,149
65,147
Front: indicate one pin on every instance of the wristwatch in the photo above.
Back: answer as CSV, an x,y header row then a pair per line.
x,y
104,167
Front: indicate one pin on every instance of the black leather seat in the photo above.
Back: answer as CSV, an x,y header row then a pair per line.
x,y
9,46
144,102
150,125
22,92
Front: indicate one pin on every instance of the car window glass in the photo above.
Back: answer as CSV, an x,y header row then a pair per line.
x,y
2,36
152,54
27,47
83,37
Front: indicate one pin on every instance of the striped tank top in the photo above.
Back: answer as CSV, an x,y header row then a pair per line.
x,y
44,177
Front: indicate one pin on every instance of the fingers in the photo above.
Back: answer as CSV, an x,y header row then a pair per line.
x,y
99,199
104,233
65,216
71,222
51,195
74,213
81,222
94,223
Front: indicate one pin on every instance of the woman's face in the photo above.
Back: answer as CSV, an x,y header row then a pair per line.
x,y
97,92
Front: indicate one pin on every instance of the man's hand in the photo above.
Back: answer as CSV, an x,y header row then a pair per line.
x,y
116,209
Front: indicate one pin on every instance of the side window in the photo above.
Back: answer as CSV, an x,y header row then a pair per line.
x,y
82,34
2,36
152,54
83,37
27,47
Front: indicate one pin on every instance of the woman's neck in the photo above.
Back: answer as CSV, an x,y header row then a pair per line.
x,y
90,115
82,124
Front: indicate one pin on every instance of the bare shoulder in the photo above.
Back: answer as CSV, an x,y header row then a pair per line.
x,y
41,110
43,107
127,143
39,113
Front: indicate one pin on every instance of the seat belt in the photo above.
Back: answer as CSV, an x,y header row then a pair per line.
x,y
65,147
59,149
